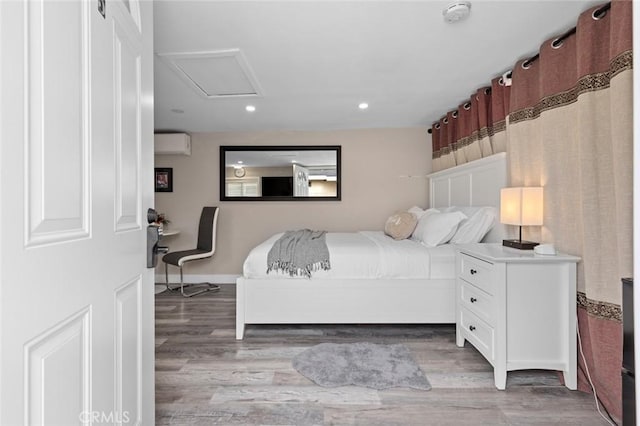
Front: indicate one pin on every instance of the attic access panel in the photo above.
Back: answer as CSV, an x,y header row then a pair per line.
x,y
215,74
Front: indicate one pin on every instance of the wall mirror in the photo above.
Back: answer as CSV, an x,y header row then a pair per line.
x,y
280,173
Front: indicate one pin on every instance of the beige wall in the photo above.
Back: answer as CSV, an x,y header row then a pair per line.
x,y
373,162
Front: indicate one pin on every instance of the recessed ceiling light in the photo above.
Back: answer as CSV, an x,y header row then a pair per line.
x,y
177,111
240,161
250,108
363,105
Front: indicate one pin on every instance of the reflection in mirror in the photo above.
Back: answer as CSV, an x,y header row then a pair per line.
x,y
279,173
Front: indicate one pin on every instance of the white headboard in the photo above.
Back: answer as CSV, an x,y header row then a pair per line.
x,y
477,183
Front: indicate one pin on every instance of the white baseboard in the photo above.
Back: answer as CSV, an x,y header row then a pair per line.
x,y
195,279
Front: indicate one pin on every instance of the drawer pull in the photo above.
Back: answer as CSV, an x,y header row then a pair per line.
x,y
473,271
472,327
473,300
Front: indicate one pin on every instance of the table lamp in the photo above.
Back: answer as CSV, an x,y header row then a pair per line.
x,y
522,207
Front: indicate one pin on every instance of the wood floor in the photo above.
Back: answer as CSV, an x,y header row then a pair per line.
x,y
205,377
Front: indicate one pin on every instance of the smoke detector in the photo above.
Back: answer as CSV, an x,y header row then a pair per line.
x,y
457,11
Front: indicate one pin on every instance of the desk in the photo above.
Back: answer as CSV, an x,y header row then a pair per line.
x,y
170,232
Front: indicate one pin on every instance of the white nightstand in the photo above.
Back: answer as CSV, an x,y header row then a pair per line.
x,y
518,309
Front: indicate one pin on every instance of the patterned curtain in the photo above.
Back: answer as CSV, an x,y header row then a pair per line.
x,y
475,130
570,131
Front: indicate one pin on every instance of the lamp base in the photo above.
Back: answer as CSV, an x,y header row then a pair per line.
x,y
519,244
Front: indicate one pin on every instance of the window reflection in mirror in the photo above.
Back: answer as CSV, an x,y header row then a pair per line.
x,y
279,173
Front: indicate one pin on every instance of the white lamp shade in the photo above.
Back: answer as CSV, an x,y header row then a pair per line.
x,y
521,206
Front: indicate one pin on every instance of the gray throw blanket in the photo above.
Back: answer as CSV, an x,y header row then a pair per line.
x,y
299,253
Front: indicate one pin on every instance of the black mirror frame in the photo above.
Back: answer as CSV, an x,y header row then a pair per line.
x,y
230,148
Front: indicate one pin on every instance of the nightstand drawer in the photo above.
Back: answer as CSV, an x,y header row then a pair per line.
x,y
477,302
479,333
477,272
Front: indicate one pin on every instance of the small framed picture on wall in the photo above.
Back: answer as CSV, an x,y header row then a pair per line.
x,y
164,179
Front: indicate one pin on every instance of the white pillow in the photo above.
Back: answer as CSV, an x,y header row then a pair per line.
x,y
421,222
467,210
438,228
417,212
476,227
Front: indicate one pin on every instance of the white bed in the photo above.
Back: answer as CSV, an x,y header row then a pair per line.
x,y
367,255
411,284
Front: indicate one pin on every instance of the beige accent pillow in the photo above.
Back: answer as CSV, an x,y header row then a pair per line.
x,y
400,225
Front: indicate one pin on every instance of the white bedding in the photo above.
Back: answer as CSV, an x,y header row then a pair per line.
x,y
366,254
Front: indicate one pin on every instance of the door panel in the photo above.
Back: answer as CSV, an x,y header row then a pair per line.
x,y
76,298
128,332
59,355
57,72
127,68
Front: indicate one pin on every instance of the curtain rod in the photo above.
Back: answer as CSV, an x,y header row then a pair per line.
x,y
556,43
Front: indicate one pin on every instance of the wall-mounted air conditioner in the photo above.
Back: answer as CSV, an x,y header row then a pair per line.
x,y
172,144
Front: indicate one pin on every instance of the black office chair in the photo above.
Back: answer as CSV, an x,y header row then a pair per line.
x,y
205,249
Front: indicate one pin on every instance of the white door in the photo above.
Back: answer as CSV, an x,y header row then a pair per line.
x,y
300,181
76,129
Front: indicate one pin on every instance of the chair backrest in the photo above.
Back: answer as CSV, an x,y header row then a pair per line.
x,y
207,229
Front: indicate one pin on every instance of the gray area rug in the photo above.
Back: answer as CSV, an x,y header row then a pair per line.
x,y
361,364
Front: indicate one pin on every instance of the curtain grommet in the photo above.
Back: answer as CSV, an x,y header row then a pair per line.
x,y
526,64
557,43
467,106
598,14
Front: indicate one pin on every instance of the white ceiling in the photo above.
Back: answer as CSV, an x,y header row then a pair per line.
x,y
315,61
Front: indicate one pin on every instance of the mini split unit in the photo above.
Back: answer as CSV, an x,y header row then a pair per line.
x,y
172,144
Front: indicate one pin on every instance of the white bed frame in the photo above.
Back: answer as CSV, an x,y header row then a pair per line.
x,y
385,301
